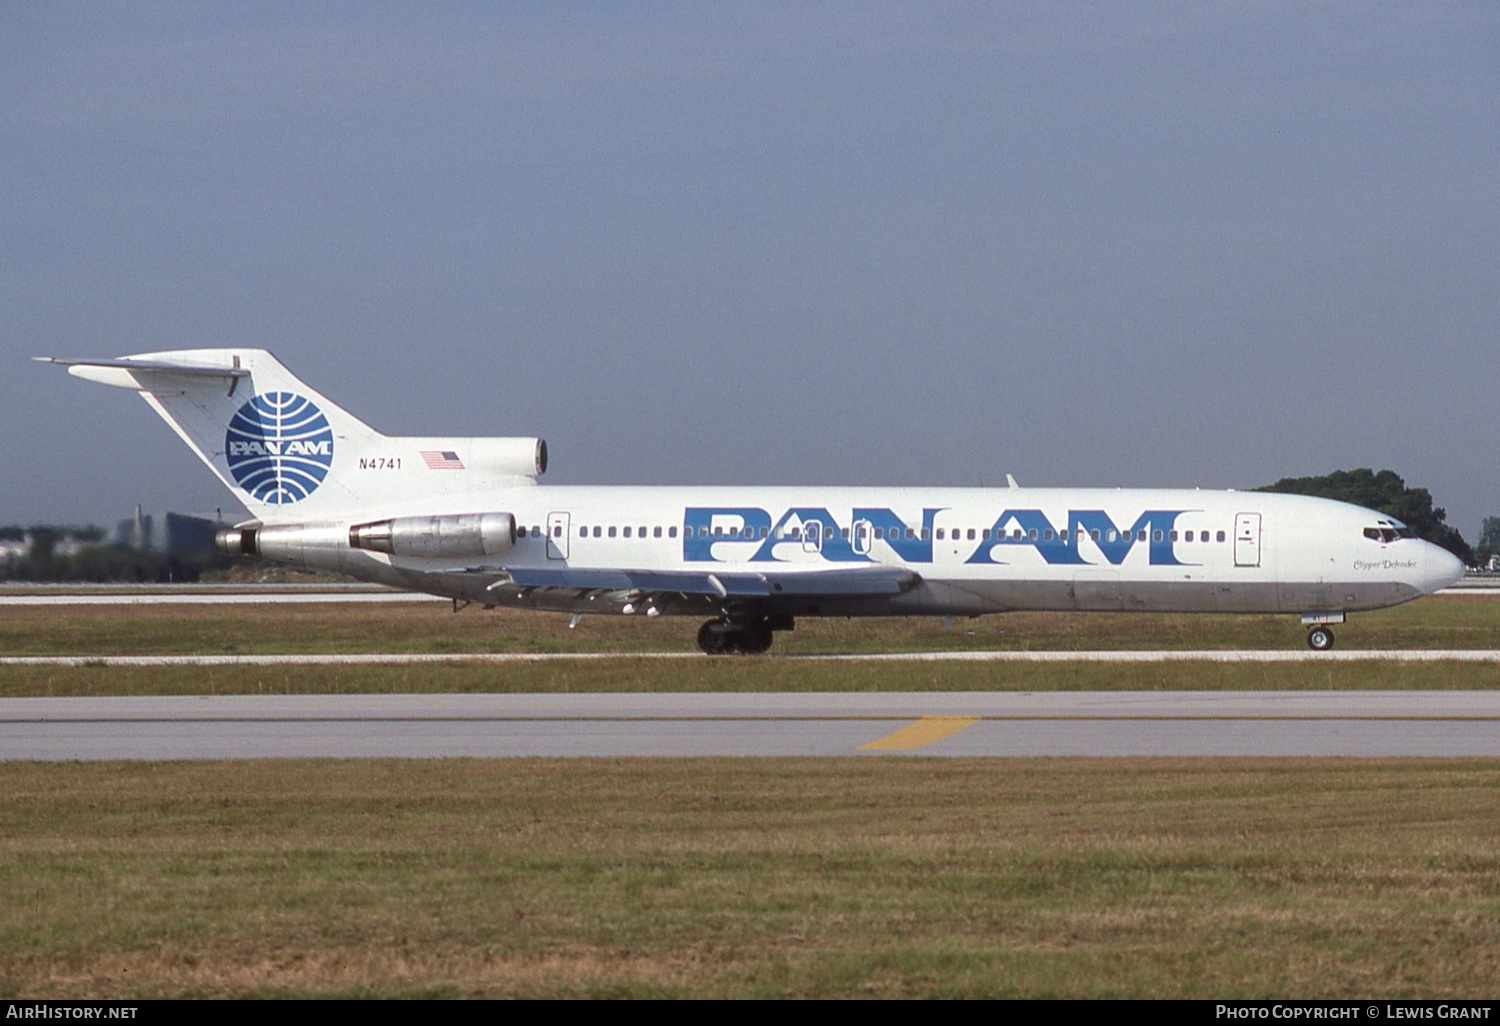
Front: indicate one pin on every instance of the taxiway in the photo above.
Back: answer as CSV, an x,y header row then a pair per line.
x,y
1218,723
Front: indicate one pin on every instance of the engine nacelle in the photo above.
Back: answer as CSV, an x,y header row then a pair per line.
x,y
503,456
321,546
454,536
485,458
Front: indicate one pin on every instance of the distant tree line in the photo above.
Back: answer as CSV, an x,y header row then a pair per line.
x,y
1489,541
1385,492
52,553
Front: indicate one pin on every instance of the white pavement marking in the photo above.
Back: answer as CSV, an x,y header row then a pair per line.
x,y
1481,655
202,599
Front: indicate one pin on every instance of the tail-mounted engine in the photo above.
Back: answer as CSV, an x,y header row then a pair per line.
x,y
330,546
454,536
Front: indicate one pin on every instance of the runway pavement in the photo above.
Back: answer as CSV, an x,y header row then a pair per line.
x,y
1270,723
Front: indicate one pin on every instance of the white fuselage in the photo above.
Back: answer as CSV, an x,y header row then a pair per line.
x,y
975,550
464,517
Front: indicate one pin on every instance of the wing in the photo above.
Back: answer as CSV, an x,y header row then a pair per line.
x,y
872,580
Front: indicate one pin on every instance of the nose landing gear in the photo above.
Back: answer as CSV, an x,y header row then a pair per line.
x,y
1320,639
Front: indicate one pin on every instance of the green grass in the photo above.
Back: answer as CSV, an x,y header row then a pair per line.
x,y
739,675
1441,622
772,878
1458,621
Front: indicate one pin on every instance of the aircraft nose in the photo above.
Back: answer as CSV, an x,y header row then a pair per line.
x,y
1440,569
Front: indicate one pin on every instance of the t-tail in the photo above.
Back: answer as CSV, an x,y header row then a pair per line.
x,y
290,454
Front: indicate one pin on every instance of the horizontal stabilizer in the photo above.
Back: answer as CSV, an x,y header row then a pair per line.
x,y
191,370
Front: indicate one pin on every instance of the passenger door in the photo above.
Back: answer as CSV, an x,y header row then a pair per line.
x,y
558,529
1247,539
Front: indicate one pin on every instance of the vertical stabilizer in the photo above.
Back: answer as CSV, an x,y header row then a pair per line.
x,y
269,437
292,455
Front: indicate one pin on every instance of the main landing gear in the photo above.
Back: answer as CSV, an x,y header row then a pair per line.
x,y
1320,639
723,636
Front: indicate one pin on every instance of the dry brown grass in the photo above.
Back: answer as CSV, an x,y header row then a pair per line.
x,y
1227,878
628,674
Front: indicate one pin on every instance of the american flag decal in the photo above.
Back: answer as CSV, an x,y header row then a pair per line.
x,y
441,460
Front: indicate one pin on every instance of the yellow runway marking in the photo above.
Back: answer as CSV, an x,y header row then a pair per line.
x,y
924,732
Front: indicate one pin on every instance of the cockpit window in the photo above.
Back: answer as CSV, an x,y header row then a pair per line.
x,y
1386,534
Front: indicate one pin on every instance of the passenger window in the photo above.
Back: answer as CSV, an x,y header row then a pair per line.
x,y
844,531
1221,536
672,532
1031,535
1094,534
910,534
1174,536
879,534
656,532
1110,535
971,534
765,532
925,533
583,532
520,532
627,532
611,532
1155,536
1142,535
1047,534
985,534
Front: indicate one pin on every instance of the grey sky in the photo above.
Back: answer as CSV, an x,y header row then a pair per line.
x,y
1085,243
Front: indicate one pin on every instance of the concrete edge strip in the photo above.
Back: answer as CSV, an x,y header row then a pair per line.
x,y
945,722
398,658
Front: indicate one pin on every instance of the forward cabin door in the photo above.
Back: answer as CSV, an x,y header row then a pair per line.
x,y
557,535
1247,539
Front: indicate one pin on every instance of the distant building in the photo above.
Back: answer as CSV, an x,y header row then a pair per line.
x,y
186,533
136,532
13,550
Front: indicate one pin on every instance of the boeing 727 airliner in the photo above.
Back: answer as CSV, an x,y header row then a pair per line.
x,y
466,518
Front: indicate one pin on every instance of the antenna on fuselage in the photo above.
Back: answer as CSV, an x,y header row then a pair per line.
x,y
1010,481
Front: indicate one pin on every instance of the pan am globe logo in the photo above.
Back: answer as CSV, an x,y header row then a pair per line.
x,y
279,447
